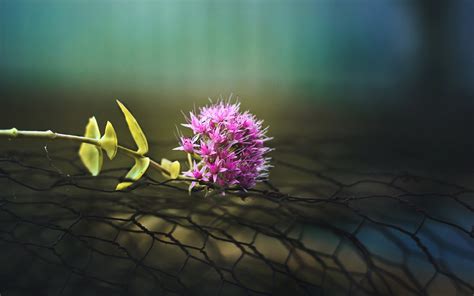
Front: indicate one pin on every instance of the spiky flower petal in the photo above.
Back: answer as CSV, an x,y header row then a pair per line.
x,y
229,145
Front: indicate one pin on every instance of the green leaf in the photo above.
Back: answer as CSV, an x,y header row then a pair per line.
x,y
135,173
108,142
173,168
135,130
91,155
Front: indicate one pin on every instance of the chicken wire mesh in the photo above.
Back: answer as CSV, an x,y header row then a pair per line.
x,y
316,229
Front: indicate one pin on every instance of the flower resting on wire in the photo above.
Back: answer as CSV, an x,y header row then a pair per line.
x,y
227,149
229,146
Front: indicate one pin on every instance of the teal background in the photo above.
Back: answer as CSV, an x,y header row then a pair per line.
x,y
258,49
400,72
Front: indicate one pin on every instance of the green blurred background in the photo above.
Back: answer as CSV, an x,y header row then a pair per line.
x,y
290,49
397,68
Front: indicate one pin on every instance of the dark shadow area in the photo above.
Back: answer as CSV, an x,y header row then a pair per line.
x,y
328,223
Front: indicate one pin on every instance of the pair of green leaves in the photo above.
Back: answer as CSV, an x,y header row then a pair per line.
x,y
92,156
141,163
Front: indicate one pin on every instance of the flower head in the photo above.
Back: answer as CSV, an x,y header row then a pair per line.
x,y
228,144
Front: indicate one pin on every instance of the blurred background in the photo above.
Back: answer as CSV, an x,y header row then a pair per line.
x,y
397,70
314,50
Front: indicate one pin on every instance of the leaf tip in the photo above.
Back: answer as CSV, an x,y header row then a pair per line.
x,y
123,185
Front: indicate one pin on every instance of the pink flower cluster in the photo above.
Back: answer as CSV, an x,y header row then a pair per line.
x,y
228,144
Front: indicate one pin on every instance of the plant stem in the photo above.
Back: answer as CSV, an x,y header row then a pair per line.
x,y
50,135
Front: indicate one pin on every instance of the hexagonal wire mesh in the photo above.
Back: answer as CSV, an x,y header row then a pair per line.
x,y
324,230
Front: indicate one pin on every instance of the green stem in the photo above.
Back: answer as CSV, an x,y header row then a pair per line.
x,y
50,135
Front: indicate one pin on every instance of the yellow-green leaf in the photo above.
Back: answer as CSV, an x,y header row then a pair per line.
x,y
91,155
135,173
173,168
135,130
108,142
